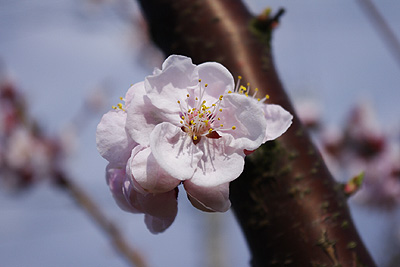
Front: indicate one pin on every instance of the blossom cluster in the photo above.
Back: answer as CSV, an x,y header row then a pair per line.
x,y
184,124
362,146
26,155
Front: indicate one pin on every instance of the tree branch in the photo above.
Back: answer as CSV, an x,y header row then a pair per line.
x,y
110,229
290,208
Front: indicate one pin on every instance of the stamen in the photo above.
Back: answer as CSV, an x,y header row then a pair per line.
x,y
237,84
199,120
255,92
119,106
240,89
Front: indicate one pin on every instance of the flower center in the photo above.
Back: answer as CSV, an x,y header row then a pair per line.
x,y
201,119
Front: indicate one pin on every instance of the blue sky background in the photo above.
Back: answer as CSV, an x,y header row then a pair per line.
x,y
59,51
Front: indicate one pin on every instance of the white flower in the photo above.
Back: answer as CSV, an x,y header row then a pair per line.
x,y
181,125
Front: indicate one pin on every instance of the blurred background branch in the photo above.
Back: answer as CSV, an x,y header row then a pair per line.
x,y
382,27
30,157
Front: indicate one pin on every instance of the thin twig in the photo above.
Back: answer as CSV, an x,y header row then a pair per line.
x,y
90,207
382,27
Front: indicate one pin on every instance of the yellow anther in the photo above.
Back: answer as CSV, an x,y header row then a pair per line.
x,y
221,125
183,117
114,107
220,97
248,84
256,89
246,94
199,80
194,138
120,105
206,85
267,96
243,88
181,122
219,119
213,105
187,95
122,99
210,130
233,127
220,109
239,77
258,99
179,102
197,98
229,92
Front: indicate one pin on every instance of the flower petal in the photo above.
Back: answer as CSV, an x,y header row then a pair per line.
x,y
157,225
148,174
133,92
142,116
278,121
165,88
219,164
113,142
208,198
217,77
248,118
174,151
116,179
160,210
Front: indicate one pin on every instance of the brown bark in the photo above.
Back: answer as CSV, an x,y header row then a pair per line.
x,y
291,210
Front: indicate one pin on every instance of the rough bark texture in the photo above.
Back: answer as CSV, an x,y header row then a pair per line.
x,y
290,209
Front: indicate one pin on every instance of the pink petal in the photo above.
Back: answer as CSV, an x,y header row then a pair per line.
x,y
165,88
133,91
246,115
148,174
164,205
208,198
160,210
157,225
116,179
217,77
113,142
219,164
278,121
174,151
142,116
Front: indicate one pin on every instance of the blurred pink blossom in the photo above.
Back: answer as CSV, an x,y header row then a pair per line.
x,y
363,146
26,155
